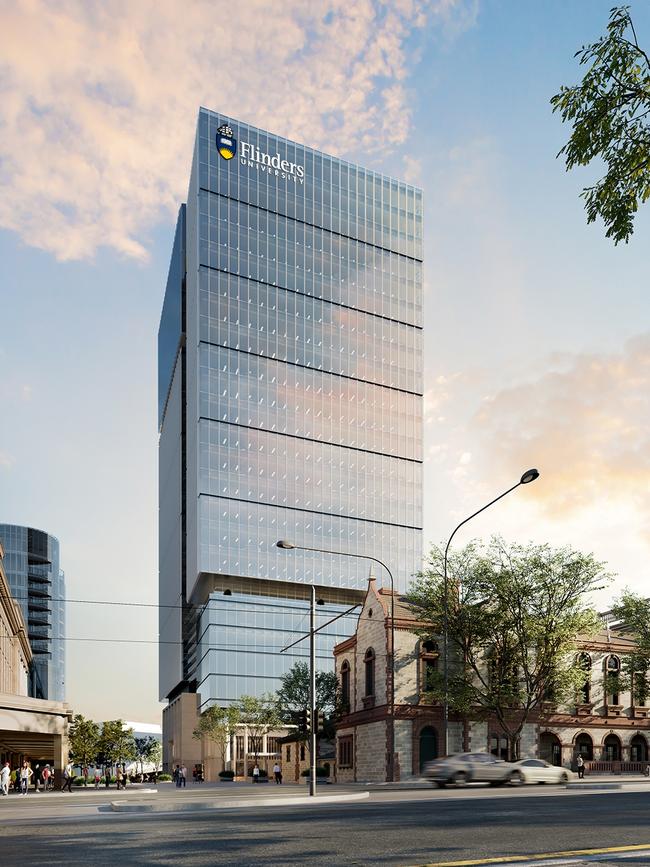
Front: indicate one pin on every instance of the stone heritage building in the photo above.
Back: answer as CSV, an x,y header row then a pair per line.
x,y
35,729
609,730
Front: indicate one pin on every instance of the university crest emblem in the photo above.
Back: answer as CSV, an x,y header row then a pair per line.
x,y
226,144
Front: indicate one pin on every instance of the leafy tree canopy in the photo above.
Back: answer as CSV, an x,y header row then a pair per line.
x,y
633,612
515,614
217,724
260,714
84,740
610,115
293,694
115,743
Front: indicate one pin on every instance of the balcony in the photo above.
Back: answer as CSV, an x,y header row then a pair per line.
x,y
41,589
584,709
613,710
640,712
38,620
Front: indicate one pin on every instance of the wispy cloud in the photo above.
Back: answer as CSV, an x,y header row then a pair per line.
x,y
99,99
585,423
6,461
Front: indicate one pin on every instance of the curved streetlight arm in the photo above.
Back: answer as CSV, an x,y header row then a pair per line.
x,y
478,512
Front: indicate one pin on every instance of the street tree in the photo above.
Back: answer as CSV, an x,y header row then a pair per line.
x,y
633,612
147,749
515,617
117,744
217,725
260,714
610,115
294,694
83,737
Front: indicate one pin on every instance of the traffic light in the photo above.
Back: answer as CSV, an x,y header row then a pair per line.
x,y
321,721
304,720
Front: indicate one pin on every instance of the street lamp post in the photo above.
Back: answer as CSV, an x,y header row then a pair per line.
x,y
283,543
527,477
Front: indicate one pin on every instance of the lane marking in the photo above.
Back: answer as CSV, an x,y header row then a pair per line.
x,y
542,856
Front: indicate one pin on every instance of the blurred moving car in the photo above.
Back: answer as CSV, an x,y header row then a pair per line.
x,y
539,771
462,768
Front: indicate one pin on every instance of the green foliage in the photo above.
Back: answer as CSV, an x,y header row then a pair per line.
x,y
609,111
83,737
217,724
227,775
164,778
633,611
293,695
117,744
261,714
147,749
515,614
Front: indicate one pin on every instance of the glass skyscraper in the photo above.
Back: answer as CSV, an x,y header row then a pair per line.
x,y
38,584
290,404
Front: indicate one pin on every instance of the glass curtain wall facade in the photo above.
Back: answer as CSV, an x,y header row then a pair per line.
x,y
290,401
38,584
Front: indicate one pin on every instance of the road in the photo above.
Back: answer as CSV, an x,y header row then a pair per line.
x,y
390,828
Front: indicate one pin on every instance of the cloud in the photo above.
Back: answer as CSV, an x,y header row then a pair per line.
x,y
6,461
99,99
585,425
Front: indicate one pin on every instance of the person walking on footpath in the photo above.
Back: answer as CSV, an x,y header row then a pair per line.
x,y
47,773
277,773
183,776
107,777
98,778
119,777
580,762
177,776
256,773
4,778
68,777
26,774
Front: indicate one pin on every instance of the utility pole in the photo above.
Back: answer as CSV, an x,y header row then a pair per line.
x,y
312,692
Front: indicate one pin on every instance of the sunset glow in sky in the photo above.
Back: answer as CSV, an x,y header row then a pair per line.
x,y
537,327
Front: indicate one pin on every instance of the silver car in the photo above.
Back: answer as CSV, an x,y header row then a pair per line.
x,y
463,768
539,771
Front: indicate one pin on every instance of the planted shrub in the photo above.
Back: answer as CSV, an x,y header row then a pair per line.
x,y
227,775
164,778
320,772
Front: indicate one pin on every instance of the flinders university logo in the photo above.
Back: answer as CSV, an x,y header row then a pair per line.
x,y
226,143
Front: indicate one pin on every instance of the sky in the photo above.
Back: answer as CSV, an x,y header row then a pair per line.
x,y
537,333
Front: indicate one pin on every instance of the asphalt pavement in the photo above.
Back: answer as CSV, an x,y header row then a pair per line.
x,y
390,828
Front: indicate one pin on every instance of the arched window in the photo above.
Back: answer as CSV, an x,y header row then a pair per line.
x,y
612,749
369,662
429,655
612,671
638,749
585,747
584,661
345,684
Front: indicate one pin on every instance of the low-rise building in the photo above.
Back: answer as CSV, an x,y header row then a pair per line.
x,y
30,728
608,729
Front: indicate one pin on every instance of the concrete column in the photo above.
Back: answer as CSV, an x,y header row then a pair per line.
x,y
60,753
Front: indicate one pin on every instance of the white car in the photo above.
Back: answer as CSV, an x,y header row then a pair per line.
x,y
539,771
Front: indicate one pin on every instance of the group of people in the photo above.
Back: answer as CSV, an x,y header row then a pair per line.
x,y
21,778
180,776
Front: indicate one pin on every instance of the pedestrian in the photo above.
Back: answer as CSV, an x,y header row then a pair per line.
x,y
183,776
68,777
256,773
177,776
4,778
580,762
119,777
37,777
26,773
84,773
107,777
98,778
46,776
277,773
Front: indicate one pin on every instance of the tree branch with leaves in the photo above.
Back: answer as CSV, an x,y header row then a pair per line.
x,y
515,617
610,115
